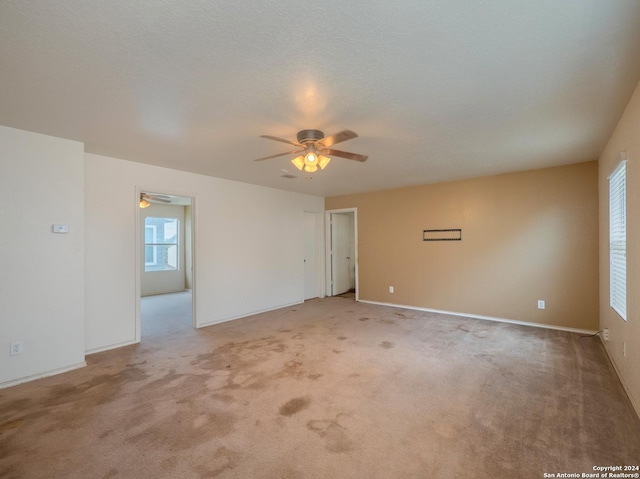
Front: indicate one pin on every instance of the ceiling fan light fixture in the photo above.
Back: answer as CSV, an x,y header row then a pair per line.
x,y
309,146
323,161
310,159
298,162
310,162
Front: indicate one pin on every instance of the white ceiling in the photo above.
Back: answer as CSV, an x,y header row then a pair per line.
x,y
436,89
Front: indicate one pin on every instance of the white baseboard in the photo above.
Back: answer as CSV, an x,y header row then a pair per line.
x,y
487,318
225,320
632,400
109,347
33,377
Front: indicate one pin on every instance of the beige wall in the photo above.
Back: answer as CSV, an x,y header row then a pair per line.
x,y
626,137
525,236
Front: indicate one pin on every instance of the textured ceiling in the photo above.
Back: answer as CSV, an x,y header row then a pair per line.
x,y
436,89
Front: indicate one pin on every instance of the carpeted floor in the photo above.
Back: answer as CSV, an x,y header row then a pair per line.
x,y
330,388
165,314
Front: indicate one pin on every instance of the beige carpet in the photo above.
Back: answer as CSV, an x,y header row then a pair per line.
x,y
328,389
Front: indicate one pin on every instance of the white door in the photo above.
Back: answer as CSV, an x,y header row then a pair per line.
x,y
310,258
340,253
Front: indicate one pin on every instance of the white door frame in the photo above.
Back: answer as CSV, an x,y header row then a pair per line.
x,y
138,253
327,242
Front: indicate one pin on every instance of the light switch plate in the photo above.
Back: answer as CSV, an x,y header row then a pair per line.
x,y
60,229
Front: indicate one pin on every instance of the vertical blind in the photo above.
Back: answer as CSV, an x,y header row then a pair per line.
x,y
618,239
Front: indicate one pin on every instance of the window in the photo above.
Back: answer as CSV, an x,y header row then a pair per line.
x,y
618,239
161,244
150,251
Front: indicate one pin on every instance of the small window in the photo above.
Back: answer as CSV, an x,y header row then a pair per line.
x,y
150,251
161,244
618,239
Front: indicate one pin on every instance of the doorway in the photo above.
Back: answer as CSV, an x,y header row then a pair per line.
x,y
165,259
342,252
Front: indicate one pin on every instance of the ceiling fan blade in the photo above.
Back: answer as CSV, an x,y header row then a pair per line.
x,y
275,138
337,138
279,154
344,154
153,197
156,199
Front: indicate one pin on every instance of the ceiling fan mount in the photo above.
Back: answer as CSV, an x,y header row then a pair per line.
x,y
314,149
306,136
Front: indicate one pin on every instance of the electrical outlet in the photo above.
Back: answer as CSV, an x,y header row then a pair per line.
x,y
541,304
391,290
16,348
605,334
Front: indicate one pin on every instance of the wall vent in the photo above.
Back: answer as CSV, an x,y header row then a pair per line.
x,y
442,235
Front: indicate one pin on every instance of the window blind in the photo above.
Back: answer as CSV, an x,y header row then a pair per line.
x,y
618,239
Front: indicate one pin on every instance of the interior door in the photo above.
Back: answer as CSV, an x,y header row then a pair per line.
x,y
340,253
310,258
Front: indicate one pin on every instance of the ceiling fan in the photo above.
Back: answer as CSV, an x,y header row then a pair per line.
x,y
146,198
315,149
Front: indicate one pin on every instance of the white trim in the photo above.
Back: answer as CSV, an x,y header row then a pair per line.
x,y
486,318
53,372
233,318
635,404
111,346
622,158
